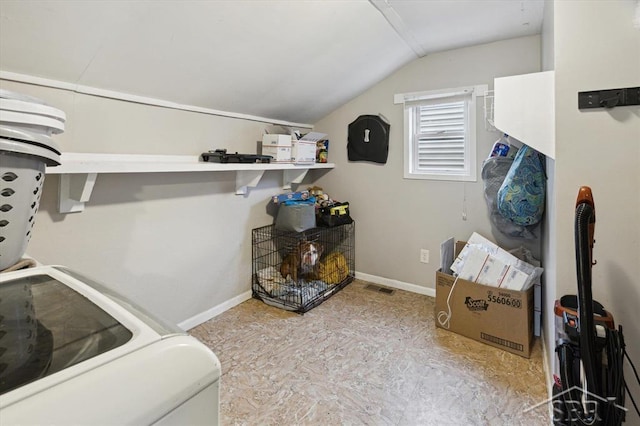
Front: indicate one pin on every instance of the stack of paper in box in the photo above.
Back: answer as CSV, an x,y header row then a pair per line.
x,y
482,261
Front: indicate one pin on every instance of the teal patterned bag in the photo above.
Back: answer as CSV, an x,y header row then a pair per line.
x,y
522,194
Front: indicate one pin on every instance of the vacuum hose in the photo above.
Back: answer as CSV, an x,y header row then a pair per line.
x,y
584,230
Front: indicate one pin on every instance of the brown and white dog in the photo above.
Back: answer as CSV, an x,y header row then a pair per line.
x,y
303,259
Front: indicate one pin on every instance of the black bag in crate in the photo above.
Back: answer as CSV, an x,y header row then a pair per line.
x,y
334,215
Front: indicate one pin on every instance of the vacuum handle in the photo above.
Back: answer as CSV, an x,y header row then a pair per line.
x,y
585,196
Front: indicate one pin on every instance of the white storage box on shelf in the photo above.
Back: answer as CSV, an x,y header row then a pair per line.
x,y
303,152
276,140
280,154
26,147
77,353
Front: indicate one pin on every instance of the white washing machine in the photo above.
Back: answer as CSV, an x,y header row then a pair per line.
x,y
73,352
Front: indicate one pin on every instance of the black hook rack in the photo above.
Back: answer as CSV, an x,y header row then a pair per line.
x,y
609,98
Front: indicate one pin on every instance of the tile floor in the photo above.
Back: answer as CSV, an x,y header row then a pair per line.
x,y
366,358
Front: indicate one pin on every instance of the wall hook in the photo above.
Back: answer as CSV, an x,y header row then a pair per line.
x,y
610,102
609,98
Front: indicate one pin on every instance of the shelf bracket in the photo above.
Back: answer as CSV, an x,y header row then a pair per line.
x,y
246,179
292,176
75,190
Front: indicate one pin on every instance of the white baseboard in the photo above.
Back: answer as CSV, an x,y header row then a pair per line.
x,y
400,285
548,371
205,316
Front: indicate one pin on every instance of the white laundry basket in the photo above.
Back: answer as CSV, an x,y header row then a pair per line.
x,y
26,148
22,179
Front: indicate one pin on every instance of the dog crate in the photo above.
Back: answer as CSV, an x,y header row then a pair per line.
x,y
297,271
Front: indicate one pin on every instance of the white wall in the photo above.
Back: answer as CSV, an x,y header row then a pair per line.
x,y
596,47
549,236
397,217
547,53
176,243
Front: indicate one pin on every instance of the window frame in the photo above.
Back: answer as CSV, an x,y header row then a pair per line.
x,y
433,97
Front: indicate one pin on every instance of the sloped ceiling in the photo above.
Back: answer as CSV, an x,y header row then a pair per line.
x,y
284,60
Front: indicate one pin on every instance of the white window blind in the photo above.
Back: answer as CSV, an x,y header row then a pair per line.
x,y
440,137
440,133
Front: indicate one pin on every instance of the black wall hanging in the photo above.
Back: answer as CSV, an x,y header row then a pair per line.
x,y
368,139
609,98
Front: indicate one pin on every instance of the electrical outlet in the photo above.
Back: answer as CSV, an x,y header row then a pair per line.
x,y
424,256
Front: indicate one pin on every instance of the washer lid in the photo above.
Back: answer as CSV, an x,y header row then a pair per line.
x,y
50,327
32,108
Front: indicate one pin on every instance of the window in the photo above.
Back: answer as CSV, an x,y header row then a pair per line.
x,y
440,133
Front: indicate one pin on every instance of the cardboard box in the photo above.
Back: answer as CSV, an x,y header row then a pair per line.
x,y
303,152
291,196
275,140
280,154
499,317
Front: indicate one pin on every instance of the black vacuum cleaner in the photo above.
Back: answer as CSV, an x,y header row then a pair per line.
x,y
590,388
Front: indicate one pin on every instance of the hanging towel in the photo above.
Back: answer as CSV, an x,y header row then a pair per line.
x,y
521,196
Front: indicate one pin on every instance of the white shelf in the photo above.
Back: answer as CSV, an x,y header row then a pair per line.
x,y
79,172
524,109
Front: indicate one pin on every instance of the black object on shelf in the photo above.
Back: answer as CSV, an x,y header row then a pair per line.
x,y
221,156
609,98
